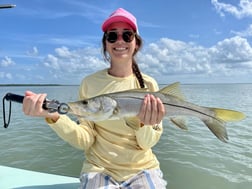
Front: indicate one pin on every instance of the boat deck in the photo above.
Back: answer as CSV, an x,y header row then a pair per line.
x,y
14,178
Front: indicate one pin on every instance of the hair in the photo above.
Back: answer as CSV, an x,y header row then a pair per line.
x,y
135,67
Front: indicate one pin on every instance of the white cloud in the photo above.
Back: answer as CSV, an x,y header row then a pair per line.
x,y
174,57
75,41
33,52
52,62
5,75
63,52
167,58
7,61
164,59
246,33
231,51
8,75
244,9
67,64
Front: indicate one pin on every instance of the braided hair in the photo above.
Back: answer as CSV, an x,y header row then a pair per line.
x,y
135,67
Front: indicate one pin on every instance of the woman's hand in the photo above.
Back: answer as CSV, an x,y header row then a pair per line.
x,y
32,106
152,110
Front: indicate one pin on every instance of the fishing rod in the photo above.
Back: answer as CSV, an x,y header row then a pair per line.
x,y
7,6
50,105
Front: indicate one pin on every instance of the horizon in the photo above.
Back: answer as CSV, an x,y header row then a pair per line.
x,y
52,85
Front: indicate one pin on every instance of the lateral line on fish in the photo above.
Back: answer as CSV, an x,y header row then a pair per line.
x,y
177,107
192,110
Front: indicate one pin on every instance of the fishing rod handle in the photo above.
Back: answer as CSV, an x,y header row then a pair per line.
x,y
14,97
19,98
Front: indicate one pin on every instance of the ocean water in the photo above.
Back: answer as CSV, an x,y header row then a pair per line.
x,y
193,159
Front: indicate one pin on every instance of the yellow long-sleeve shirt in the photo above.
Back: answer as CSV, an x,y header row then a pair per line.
x,y
111,146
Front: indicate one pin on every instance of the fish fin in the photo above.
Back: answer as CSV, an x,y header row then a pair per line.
x,y
173,90
218,128
132,122
179,122
228,115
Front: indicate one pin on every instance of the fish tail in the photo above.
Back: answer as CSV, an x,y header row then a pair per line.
x,y
217,124
228,115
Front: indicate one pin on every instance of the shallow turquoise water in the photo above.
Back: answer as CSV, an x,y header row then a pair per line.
x,y
189,159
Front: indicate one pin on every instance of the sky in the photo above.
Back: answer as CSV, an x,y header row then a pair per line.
x,y
59,41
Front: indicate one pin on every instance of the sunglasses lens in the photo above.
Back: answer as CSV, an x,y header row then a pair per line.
x,y
111,37
128,36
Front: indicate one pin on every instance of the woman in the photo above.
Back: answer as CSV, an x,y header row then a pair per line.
x,y
118,152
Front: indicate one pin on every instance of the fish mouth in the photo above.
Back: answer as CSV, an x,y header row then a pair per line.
x,y
73,109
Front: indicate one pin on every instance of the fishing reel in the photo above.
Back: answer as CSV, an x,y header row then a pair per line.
x,y
50,105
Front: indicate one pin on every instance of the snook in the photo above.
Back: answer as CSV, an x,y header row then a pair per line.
x,y
127,103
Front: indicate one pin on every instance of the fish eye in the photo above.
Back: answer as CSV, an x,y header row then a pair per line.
x,y
84,102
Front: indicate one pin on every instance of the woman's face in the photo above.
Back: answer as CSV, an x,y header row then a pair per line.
x,y
119,49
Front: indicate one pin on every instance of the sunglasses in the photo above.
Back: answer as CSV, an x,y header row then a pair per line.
x,y
127,36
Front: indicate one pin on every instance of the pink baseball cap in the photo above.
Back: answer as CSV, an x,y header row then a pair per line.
x,y
120,15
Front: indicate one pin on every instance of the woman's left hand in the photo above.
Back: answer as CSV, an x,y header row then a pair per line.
x,y
152,110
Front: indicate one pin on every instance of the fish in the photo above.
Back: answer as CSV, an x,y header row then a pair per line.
x,y
127,103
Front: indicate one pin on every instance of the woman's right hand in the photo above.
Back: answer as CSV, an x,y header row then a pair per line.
x,y
32,106
152,110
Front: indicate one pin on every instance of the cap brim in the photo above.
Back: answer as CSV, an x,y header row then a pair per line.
x,y
114,19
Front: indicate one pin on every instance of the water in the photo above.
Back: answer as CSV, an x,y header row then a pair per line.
x,y
192,159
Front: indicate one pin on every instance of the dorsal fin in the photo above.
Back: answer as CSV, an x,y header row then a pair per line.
x,y
173,90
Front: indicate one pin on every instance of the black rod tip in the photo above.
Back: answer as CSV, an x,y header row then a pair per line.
x,y
6,6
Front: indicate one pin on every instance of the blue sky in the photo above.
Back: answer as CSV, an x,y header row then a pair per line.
x,y
59,41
